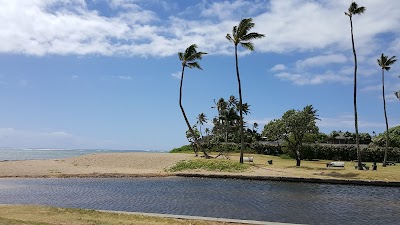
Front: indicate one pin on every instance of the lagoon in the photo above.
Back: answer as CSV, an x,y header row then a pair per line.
x,y
226,198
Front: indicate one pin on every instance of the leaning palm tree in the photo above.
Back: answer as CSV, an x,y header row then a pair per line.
x,y
240,35
384,62
355,10
189,59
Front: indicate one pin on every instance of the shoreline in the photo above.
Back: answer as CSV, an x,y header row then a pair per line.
x,y
218,176
144,164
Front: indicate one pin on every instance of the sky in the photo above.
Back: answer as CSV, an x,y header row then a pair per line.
x,y
106,74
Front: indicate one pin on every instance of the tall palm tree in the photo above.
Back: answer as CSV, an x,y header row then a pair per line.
x,y
189,59
384,62
201,119
240,35
355,10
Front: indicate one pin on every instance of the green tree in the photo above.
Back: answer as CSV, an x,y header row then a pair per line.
x,y
240,35
189,59
226,124
293,128
394,138
384,62
355,10
201,119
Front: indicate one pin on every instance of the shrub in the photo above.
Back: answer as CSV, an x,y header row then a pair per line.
x,y
185,148
210,165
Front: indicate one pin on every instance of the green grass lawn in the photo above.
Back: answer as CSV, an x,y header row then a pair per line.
x,y
287,167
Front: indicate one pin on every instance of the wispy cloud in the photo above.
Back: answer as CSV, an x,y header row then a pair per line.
x,y
176,75
312,79
319,61
278,67
124,77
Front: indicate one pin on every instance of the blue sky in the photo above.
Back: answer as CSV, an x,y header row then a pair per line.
x,y
104,73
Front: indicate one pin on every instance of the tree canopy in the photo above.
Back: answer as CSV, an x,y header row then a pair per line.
x,y
292,128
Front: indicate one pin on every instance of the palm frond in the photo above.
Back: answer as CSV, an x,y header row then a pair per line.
x,y
391,60
190,50
194,65
385,63
247,45
229,38
245,26
355,10
195,56
234,31
180,54
360,10
252,36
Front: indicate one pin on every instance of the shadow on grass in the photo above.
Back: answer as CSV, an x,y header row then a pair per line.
x,y
302,167
340,175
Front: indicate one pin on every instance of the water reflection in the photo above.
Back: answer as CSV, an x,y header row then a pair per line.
x,y
238,199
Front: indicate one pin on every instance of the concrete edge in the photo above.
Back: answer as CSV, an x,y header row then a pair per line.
x,y
197,218
294,179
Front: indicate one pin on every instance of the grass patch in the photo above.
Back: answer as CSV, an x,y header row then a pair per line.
x,y
39,215
209,165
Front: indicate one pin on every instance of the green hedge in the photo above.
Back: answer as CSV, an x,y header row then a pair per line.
x,y
310,151
348,153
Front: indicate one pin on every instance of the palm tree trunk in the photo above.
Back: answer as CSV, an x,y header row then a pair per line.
x,y
196,143
355,99
386,120
240,107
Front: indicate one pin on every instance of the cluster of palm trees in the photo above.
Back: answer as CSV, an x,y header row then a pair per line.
x,y
240,35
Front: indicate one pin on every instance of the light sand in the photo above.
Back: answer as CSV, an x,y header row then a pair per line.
x,y
110,164
114,165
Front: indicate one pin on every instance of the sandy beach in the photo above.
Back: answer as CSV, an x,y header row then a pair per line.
x,y
114,165
106,164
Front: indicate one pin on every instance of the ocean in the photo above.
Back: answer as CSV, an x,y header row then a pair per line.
x,y
12,154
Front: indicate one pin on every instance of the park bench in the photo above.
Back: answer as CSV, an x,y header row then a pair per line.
x,y
390,163
248,159
335,164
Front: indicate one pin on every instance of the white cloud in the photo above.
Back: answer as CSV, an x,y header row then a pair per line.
x,y
372,88
124,77
278,67
176,75
42,27
312,79
231,9
319,61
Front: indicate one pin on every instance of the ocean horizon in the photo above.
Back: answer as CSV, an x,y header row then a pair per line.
x,y
15,154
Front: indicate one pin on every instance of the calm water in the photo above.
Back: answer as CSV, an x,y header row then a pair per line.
x,y
238,199
24,154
